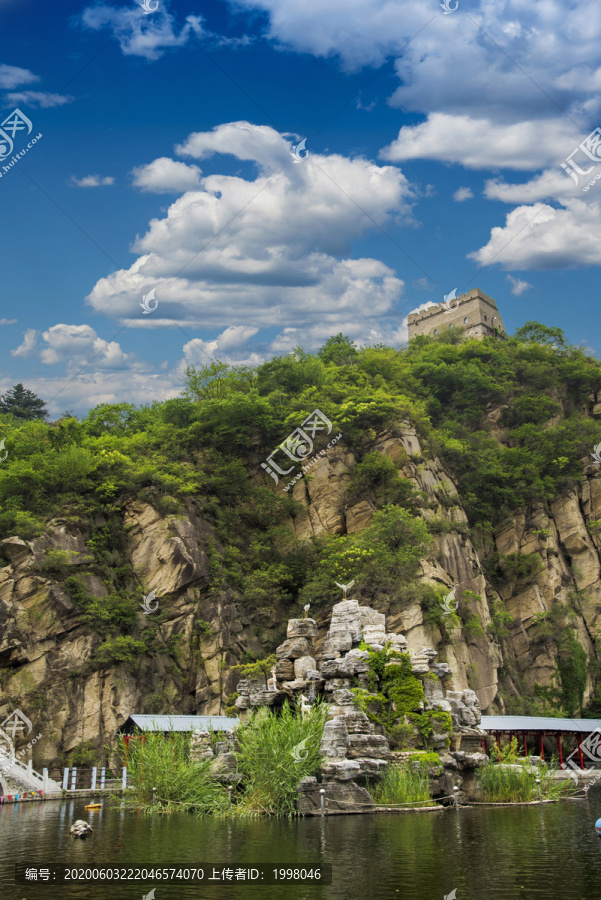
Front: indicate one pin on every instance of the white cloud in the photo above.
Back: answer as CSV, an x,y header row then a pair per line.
x,y
269,251
139,34
482,144
552,184
165,175
90,181
8,321
539,237
74,345
12,77
364,32
77,344
463,193
41,99
258,143
517,285
28,347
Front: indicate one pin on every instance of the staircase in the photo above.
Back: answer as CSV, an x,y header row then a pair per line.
x,y
25,777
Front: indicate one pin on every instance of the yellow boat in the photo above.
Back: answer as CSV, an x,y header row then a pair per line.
x,y
93,805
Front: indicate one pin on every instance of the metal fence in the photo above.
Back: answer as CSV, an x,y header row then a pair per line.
x,y
97,778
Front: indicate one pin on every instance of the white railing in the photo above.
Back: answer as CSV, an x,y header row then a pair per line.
x,y
26,774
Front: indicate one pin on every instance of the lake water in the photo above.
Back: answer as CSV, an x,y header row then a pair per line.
x,y
483,854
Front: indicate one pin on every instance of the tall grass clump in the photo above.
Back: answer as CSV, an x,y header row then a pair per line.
x,y
156,761
513,779
509,783
274,753
400,784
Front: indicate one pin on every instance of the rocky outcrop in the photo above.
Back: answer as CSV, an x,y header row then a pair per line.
x,y
47,656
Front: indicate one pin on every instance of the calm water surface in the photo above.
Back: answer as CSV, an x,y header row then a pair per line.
x,y
484,854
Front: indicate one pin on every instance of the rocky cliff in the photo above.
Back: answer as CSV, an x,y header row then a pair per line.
x,y
514,591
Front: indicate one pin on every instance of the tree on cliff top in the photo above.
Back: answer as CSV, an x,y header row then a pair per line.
x,y
23,403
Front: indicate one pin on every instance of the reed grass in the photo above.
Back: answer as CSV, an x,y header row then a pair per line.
x,y
516,783
156,761
274,753
401,784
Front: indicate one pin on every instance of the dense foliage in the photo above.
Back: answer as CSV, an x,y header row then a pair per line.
x,y
511,420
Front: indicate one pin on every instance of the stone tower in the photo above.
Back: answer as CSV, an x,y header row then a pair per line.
x,y
474,311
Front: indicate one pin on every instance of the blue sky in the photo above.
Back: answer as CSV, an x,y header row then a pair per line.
x,y
434,151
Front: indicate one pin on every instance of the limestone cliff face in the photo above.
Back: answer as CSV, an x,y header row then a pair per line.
x,y
46,650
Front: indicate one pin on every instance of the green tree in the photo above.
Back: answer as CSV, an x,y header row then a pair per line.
x,y
23,403
339,350
534,332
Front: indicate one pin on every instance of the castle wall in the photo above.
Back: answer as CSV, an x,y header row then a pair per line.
x,y
473,311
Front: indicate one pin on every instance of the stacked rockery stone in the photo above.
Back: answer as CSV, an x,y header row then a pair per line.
x,y
351,747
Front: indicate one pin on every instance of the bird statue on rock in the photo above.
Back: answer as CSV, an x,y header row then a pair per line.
x,y
345,587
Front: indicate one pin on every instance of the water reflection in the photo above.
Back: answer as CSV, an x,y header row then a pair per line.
x,y
504,853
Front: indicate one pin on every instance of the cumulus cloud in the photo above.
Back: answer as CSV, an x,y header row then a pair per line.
x,y
166,175
12,77
517,285
482,144
28,347
90,181
539,237
139,34
264,252
365,32
463,193
41,99
72,344
77,344
551,184
4,321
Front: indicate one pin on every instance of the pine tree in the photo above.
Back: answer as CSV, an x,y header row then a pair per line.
x,y
23,403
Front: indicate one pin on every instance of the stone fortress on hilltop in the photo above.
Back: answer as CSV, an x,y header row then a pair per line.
x,y
474,311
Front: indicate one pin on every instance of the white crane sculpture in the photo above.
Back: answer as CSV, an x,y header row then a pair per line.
x,y
345,587
306,609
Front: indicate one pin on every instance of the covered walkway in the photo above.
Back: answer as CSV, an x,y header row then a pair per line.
x,y
586,731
